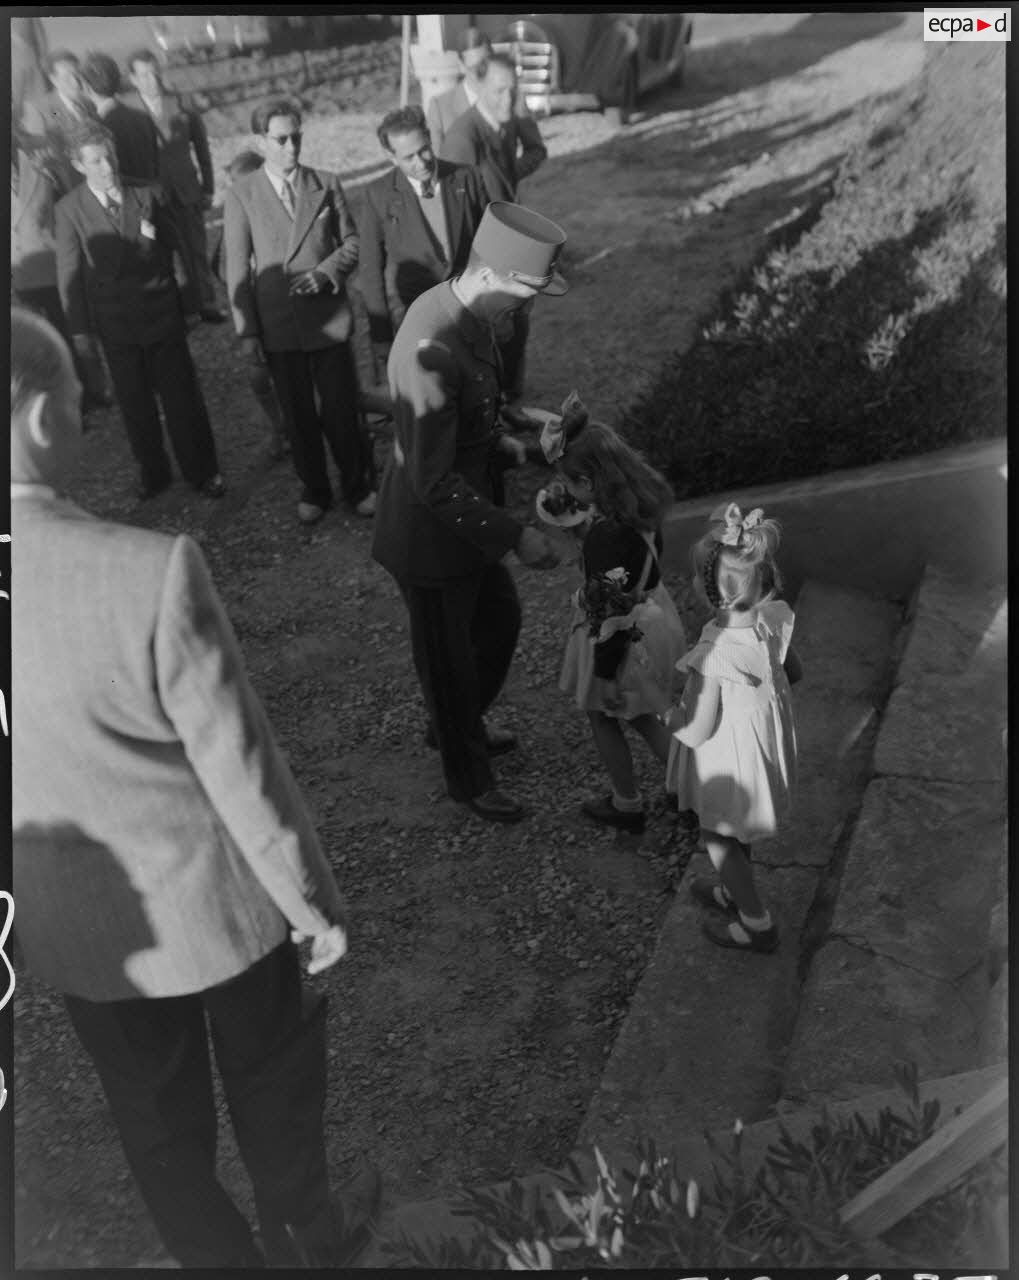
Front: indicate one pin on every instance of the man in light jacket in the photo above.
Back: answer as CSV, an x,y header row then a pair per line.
x,y
164,863
290,243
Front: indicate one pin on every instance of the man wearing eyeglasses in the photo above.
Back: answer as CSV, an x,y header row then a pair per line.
x,y
289,244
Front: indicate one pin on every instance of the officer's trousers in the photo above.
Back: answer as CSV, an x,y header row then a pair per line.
x,y
463,636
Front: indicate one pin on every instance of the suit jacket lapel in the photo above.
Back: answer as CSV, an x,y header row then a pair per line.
x,y
309,198
407,207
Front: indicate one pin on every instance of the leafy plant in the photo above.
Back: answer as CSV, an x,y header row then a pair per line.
x,y
785,1211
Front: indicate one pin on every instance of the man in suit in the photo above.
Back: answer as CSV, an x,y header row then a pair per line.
x,y
417,224
36,185
473,49
163,856
136,137
65,109
115,275
183,144
290,243
506,148
441,529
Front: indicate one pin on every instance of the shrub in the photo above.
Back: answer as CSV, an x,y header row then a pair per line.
x,y
879,333
785,1212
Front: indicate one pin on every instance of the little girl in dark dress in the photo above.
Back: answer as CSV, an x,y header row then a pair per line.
x,y
625,636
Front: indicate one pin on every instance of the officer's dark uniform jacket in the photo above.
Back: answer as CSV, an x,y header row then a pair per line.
x,y
440,510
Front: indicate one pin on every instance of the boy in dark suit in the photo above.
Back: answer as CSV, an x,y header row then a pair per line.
x,y
290,245
417,225
115,275
183,145
135,136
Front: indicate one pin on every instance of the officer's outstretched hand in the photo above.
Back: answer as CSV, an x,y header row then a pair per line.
x,y
535,550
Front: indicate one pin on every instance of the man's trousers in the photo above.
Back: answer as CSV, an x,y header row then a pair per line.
x,y
463,636
317,391
153,1060
165,370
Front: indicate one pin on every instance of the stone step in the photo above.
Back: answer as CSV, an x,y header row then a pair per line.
x,y
706,1035
906,969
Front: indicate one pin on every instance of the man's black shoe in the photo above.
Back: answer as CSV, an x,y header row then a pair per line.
x,y
154,489
493,806
212,488
212,315
604,811
338,1235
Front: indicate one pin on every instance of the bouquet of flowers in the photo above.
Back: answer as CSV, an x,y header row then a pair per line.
x,y
605,597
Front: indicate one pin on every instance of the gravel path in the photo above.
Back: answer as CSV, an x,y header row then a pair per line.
x,y
489,967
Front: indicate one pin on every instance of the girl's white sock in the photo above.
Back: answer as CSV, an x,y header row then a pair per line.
x,y
756,924
627,804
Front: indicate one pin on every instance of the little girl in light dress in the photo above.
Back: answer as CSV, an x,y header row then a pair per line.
x,y
733,754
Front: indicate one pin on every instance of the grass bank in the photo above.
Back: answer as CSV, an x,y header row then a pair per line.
x,y
880,331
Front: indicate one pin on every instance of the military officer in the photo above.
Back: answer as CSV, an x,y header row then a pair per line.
x,y
441,529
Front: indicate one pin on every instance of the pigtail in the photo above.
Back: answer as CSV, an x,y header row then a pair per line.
x,y
735,560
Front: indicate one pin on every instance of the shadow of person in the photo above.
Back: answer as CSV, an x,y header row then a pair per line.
x,y
76,910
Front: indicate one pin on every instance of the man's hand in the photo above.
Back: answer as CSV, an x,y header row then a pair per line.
x,y
311,282
535,550
252,350
326,948
514,447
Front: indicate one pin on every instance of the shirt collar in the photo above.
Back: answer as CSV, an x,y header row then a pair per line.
x,y
470,93
418,185
277,181
75,109
153,105
104,196
492,124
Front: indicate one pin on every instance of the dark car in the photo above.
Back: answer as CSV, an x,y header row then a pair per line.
x,y
573,61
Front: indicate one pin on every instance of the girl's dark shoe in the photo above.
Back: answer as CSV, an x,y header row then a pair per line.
x,y
604,811
763,940
494,806
703,891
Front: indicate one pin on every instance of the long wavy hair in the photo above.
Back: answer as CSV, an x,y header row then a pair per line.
x,y
742,577
625,486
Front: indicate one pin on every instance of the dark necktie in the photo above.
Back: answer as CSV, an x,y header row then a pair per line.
x,y
288,199
428,189
113,209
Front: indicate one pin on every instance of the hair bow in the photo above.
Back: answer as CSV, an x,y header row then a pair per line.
x,y
559,430
736,524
